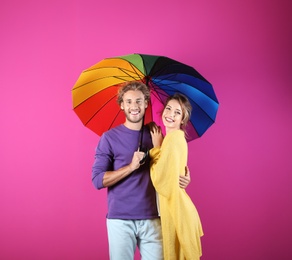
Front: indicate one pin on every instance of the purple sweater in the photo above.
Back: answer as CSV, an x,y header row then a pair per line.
x,y
134,196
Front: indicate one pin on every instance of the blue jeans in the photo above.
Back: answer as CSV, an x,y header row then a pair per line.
x,y
125,235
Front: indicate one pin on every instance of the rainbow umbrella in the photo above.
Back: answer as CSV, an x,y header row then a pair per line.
x,y
95,92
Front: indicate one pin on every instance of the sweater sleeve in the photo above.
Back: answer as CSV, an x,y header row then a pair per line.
x,y
167,163
102,162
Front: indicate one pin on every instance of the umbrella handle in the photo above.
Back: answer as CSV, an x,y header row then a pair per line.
x,y
146,154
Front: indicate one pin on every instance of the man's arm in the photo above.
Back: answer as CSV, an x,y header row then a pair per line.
x,y
185,180
112,177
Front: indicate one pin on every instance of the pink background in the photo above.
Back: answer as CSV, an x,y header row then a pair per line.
x,y
241,168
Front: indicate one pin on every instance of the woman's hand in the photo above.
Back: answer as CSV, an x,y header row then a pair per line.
x,y
156,134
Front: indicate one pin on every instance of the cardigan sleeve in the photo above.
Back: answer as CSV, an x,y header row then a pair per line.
x,y
168,162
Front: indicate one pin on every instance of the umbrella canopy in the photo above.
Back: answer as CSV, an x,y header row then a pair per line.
x,y
95,92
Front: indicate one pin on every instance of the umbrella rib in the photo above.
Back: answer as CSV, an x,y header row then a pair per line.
x,y
134,68
178,82
158,94
125,71
169,85
177,63
115,118
99,109
170,76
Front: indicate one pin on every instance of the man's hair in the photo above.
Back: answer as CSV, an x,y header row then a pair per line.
x,y
136,86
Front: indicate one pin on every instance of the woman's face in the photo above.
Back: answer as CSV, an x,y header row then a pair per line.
x,y
172,115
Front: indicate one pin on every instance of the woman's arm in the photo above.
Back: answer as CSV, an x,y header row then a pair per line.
x,y
157,138
167,163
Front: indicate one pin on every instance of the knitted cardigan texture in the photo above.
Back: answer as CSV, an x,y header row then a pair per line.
x,y
181,225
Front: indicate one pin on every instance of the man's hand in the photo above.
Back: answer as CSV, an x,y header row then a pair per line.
x,y
112,177
137,157
185,180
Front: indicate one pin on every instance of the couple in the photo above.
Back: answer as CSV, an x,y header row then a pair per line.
x,y
133,219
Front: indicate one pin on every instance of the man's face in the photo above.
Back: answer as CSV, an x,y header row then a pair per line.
x,y
134,105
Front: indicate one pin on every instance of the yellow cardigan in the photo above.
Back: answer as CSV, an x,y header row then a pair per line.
x,y
181,225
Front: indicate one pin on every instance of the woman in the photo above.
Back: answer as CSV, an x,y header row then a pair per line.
x,y
181,225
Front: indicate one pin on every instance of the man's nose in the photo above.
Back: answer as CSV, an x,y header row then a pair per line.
x,y
134,105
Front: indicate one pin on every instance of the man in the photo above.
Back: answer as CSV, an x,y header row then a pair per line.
x,y
132,218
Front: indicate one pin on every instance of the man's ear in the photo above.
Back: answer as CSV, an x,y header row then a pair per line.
x,y
146,104
122,107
